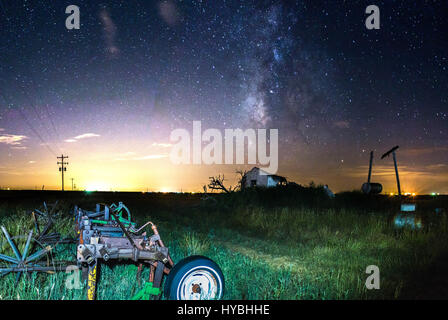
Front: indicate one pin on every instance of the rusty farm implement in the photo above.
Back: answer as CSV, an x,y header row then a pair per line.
x,y
104,235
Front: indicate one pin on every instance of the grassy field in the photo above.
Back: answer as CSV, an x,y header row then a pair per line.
x,y
270,244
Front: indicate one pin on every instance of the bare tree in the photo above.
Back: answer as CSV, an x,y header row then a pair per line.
x,y
217,183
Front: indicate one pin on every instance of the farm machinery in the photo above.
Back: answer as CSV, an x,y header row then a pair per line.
x,y
108,234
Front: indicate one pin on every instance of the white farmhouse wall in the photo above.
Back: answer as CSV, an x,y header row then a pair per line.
x,y
254,178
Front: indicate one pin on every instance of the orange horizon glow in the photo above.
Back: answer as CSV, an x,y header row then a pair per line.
x,y
159,175
97,167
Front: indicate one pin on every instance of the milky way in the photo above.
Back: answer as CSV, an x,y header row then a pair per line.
x,y
135,70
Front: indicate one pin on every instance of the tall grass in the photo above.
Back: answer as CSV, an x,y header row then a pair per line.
x,y
264,252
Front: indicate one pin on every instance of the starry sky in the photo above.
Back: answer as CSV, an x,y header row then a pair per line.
x,y
109,94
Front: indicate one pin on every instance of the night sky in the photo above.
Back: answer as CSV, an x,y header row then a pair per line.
x,y
109,94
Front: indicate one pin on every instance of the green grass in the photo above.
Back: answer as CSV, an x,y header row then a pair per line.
x,y
265,253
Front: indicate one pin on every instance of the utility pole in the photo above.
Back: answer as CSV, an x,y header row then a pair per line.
x,y
72,182
62,168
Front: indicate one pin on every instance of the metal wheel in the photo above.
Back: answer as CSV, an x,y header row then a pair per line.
x,y
200,284
22,254
195,278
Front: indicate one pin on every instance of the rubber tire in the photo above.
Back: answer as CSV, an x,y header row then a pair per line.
x,y
183,267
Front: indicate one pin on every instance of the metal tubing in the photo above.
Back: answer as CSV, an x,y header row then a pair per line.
x,y
11,243
40,213
38,254
34,269
126,233
95,214
8,258
106,213
109,229
27,245
142,254
396,173
18,276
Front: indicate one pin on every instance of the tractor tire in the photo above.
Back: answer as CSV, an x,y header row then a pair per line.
x,y
195,278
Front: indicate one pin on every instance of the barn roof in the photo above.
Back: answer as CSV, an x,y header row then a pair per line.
x,y
273,176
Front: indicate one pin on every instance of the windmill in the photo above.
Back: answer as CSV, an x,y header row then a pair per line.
x,y
395,165
371,187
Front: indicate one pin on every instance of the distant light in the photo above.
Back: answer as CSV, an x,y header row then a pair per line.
x,y
413,194
391,194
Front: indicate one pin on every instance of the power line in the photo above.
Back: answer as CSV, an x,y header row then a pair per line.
x,y
29,123
37,114
36,92
45,143
32,127
52,123
30,102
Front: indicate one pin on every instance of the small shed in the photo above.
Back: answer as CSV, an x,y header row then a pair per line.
x,y
259,178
